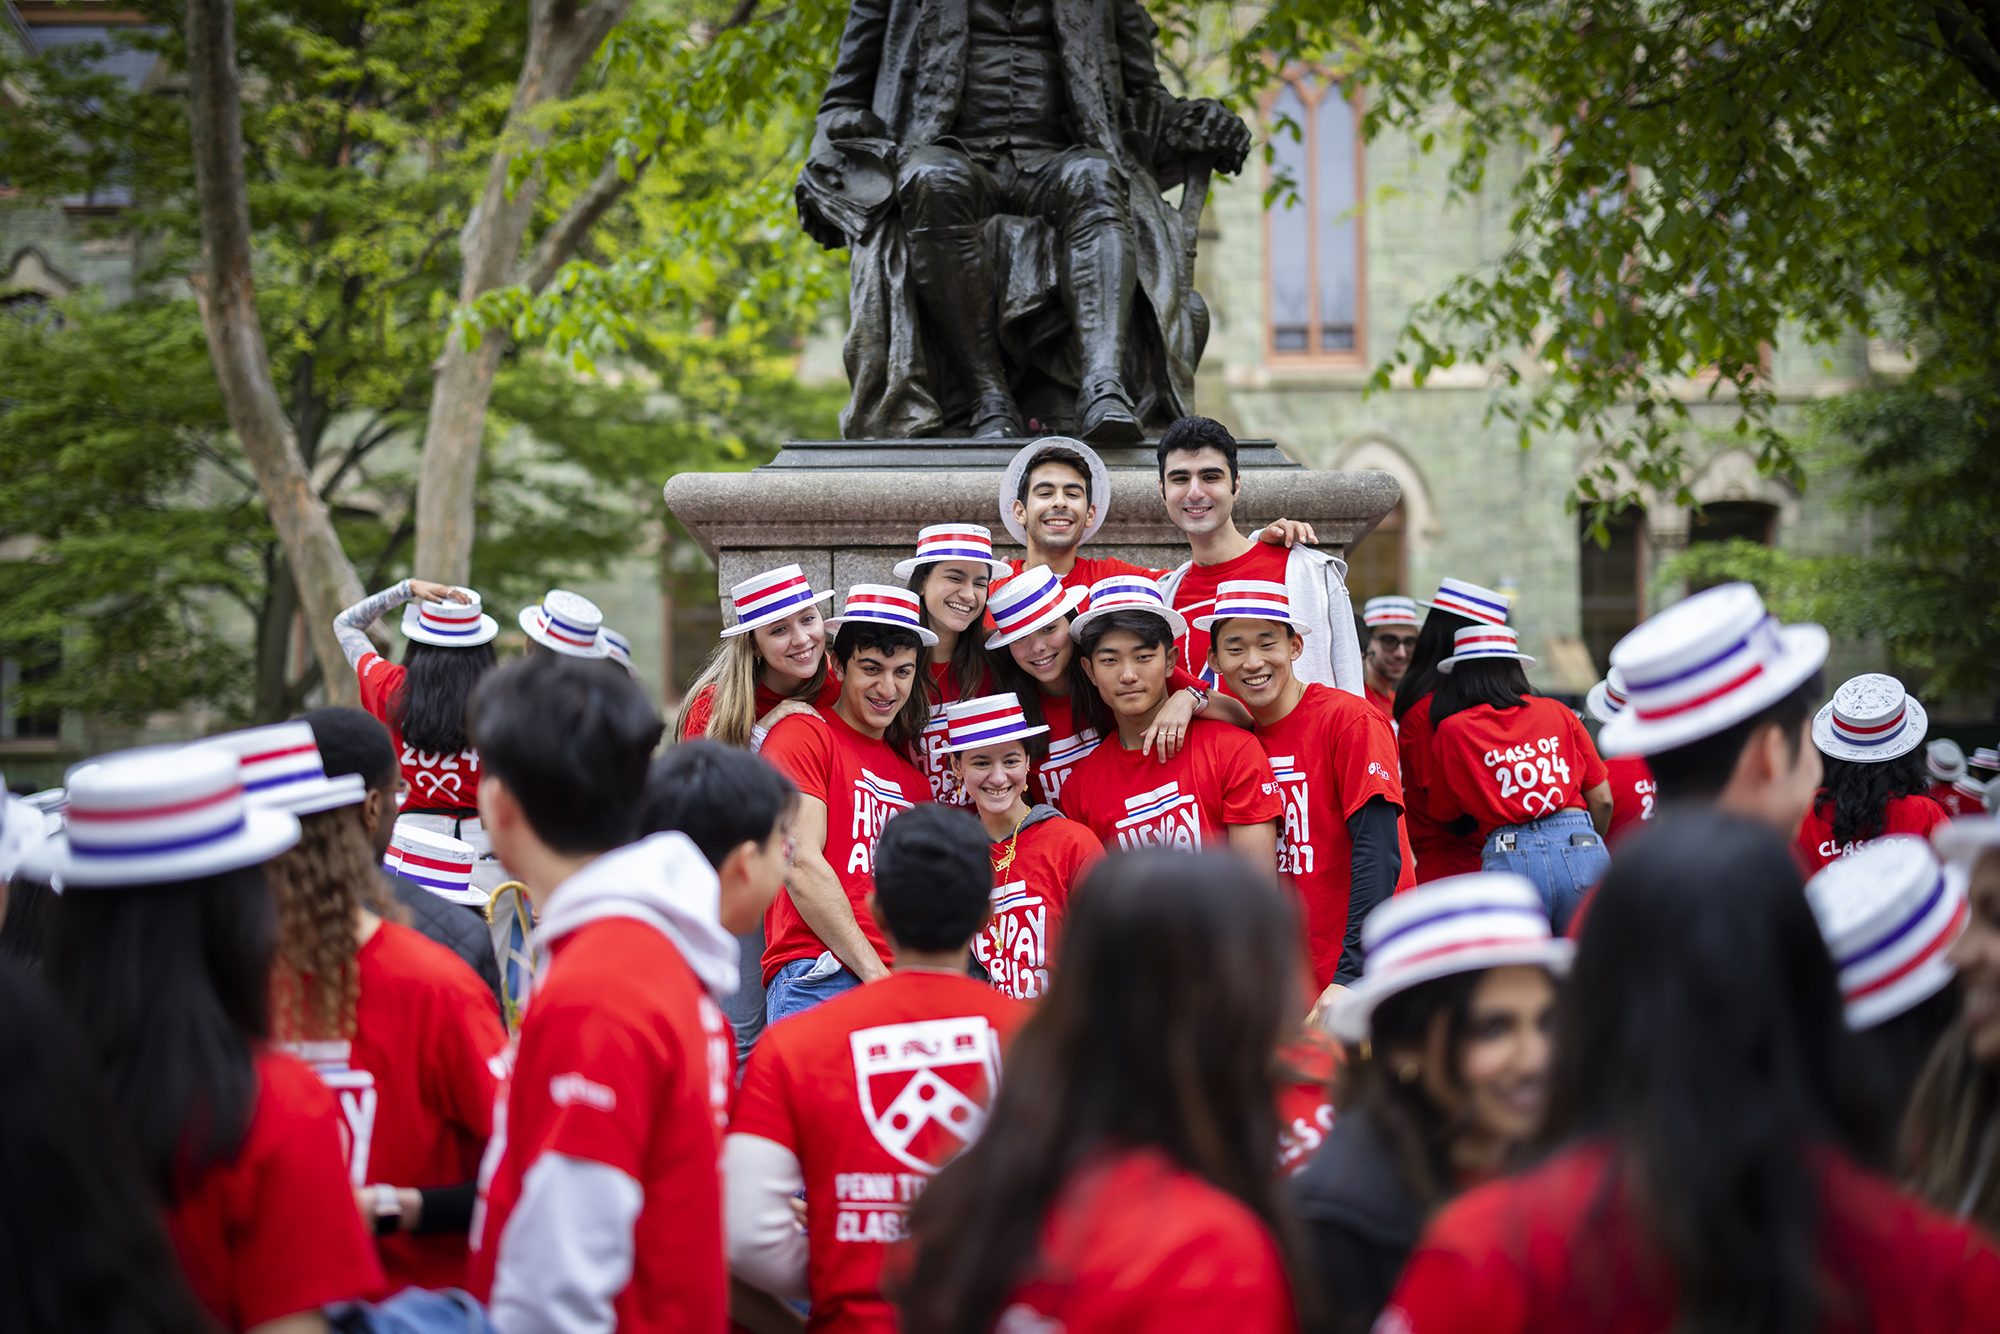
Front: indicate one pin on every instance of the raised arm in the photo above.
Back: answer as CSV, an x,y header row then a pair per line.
x,y
351,626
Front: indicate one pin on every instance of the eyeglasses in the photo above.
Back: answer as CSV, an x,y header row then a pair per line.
x,y
1395,643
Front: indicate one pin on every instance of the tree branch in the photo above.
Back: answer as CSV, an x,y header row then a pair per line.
x,y
1970,38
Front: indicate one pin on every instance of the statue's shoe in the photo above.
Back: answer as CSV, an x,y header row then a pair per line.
x,y
996,418
1109,420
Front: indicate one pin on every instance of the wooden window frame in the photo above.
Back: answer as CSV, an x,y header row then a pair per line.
x,y
1309,198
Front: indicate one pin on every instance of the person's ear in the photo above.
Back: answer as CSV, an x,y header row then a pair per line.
x,y
1020,514
1298,645
371,811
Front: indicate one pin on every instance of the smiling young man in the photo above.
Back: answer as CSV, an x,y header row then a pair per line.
x,y
1342,841
849,767
1218,789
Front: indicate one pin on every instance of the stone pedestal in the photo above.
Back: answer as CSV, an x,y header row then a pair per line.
x,y
848,510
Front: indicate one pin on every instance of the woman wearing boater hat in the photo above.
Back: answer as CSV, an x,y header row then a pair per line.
x,y
162,954
1953,787
1634,794
770,664
1871,734
1439,851
949,574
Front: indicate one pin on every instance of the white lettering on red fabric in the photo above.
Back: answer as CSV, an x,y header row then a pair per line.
x,y
1064,756
1162,818
1295,840
436,775
1647,791
924,1086
573,1088
1298,1141
716,1033
354,1090
876,802
1535,772
1014,947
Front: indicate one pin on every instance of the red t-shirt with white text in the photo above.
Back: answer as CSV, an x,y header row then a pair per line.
x,y
1070,744
702,707
1329,755
1634,794
931,759
1553,1250
1043,863
1905,815
1512,766
1137,1242
438,782
1132,800
1089,569
873,1092
622,1059
1955,801
1196,597
1438,852
864,782
1305,1097
274,1231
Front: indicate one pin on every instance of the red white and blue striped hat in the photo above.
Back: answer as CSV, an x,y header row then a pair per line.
x,y
567,622
1480,643
954,541
1945,759
619,649
1870,719
884,604
1458,924
764,599
1026,602
1607,698
1985,757
1390,610
158,815
1261,599
989,720
1702,666
1468,599
1126,592
449,624
440,863
1889,913
281,769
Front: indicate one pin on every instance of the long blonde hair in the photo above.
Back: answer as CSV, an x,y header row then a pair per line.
x,y
1951,1132
730,676
319,884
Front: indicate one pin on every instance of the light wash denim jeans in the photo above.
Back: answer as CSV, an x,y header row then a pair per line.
x,y
804,983
1561,854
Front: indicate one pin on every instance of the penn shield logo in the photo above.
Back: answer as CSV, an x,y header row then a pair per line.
x,y
925,1086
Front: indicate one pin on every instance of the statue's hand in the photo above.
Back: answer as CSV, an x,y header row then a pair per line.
x,y
1202,125
852,123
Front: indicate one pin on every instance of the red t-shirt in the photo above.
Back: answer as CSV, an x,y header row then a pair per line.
x,y
864,781
428,1036
1438,853
1329,756
1511,766
1030,899
1385,701
1955,801
1196,597
275,1231
931,759
873,1092
438,782
1633,793
622,1059
1131,800
702,707
1905,815
1137,1243
1069,745
1305,1100
1506,1257
1089,569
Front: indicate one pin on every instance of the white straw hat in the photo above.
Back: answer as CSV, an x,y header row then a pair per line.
x,y
987,721
1966,839
1465,598
1026,602
1390,610
971,542
1945,759
440,863
1871,719
884,604
281,769
1889,913
1482,643
449,624
1606,699
1255,599
1126,592
619,649
160,815
1985,757
1017,468
766,598
567,622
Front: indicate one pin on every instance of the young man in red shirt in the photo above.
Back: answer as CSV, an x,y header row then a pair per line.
x,y
861,1100
1217,791
1389,637
599,1205
1334,757
853,778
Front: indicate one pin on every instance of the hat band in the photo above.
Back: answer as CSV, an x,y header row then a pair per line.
x,y
434,863
557,628
1128,602
940,551
1263,611
767,605
1447,914
1877,734
87,815
1706,697
439,626
1464,604
161,847
431,881
1011,621
1613,698
1937,946
1457,947
315,774
1910,924
1005,729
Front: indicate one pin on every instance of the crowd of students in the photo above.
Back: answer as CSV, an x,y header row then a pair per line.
x,y
1037,945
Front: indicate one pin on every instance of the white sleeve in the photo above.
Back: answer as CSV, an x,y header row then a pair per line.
x,y
766,1248
1343,644
566,1252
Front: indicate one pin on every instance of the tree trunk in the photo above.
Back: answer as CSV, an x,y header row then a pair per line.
x,y
225,289
274,641
561,40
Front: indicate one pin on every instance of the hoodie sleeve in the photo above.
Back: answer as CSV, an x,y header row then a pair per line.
x,y
1317,583
567,1249
766,1247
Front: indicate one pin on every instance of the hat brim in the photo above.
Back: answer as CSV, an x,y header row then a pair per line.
x,y
929,637
531,623
1905,993
1174,620
1020,735
773,617
322,794
999,568
1598,702
1071,599
1353,1009
1446,665
1204,622
265,834
1017,467
1964,840
1805,649
1916,723
413,629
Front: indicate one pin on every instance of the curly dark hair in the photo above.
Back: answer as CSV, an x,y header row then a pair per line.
x,y
1858,794
318,884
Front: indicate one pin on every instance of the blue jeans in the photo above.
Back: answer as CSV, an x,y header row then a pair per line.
x,y
804,983
1561,854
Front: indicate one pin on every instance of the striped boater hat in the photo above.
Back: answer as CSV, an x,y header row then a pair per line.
x,y
987,721
1478,643
884,604
1889,912
1261,599
1458,924
449,624
619,649
1945,759
1870,719
569,623
1467,599
440,863
281,769
160,815
1027,602
1607,698
1391,610
1702,666
1985,757
1126,592
769,597
954,541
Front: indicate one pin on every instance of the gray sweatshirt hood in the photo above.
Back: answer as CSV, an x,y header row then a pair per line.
x,y
663,881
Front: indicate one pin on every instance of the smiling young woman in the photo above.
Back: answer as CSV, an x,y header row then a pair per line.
x,y
769,665
950,574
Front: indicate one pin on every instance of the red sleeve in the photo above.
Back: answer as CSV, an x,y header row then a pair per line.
x,y
802,750
1364,761
595,1085
1447,764
462,1074
380,681
1183,679
763,1104
699,710
1249,795
1594,770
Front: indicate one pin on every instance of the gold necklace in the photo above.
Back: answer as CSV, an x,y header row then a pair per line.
x,y
1007,858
